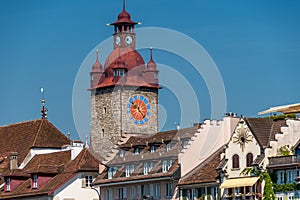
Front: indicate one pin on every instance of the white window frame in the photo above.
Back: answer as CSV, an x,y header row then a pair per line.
x,y
136,151
111,172
169,192
164,166
127,170
170,163
169,146
152,149
145,167
122,153
290,176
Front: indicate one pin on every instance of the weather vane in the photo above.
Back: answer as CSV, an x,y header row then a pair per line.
x,y
44,109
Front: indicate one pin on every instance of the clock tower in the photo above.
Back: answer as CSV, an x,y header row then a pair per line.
x,y
124,96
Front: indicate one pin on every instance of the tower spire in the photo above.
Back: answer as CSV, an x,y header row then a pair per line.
x,y
124,5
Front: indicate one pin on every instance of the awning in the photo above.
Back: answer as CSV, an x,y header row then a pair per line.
x,y
239,182
287,109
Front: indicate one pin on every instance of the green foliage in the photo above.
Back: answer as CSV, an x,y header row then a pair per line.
x,y
281,117
285,150
284,187
268,189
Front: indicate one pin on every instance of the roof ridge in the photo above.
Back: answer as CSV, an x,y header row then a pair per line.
x,y
36,136
18,123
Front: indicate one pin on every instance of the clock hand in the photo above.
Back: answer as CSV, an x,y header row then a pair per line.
x,y
143,115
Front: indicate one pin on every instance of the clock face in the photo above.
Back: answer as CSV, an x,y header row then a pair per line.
x,y
118,40
138,109
128,39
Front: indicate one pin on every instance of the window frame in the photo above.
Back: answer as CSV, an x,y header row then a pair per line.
x,y
235,161
249,159
8,184
35,181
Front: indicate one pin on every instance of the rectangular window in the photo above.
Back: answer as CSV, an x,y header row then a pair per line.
x,y
109,194
151,190
127,170
290,176
169,146
7,184
145,168
122,193
185,142
169,192
121,72
111,172
164,166
132,192
279,198
136,151
88,181
152,149
170,163
122,153
144,190
280,177
35,181
157,191
115,72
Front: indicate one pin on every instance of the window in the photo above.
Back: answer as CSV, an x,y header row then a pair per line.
x,y
290,176
291,196
152,149
249,159
122,153
132,192
279,198
136,151
88,180
164,166
111,172
170,163
169,146
102,133
104,110
109,194
35,181
235,161
169,190
280,177
155,191
148,167
185,142
122,193
129,169
7,181
115,72
121,72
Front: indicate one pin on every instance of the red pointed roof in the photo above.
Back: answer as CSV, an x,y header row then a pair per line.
x,y
97,67
124,17
151,64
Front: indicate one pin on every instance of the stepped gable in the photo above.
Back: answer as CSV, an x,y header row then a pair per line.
x,y
204,172
264,129
21,137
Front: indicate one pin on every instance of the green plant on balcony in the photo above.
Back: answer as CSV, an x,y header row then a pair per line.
x,y
285,150
284,187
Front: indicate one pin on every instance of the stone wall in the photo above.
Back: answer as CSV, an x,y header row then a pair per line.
x,y
110,119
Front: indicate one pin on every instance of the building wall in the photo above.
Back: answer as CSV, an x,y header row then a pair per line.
x,y
73,190
108,119
211,136
137,186
235,148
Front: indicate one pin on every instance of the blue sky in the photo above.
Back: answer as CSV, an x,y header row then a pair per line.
x,y
255,45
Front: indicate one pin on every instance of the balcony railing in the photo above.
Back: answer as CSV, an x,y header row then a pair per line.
x,y
284,160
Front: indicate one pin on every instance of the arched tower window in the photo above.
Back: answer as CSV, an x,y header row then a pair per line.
x,y
235,161
249,159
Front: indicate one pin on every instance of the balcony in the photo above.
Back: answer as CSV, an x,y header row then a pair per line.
x,y
281,161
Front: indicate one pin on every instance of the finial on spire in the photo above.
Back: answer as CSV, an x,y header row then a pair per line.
x,y
97,54
124,5
69,135
151,53
44,109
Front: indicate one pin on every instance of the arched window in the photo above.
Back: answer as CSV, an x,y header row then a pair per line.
x,y
235,161
249,159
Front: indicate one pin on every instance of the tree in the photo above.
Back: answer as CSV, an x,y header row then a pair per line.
x,y
263,176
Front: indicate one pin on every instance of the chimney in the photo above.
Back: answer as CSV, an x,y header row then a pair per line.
x,y
13,158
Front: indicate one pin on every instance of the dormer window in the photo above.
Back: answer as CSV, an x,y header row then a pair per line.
x,y
152,149
169,146
185,142
111,172
88,180
122,153
7,181
35,181
136,151
119,72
